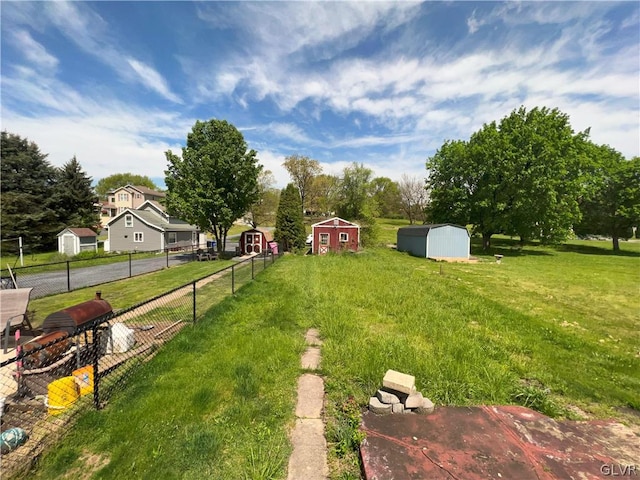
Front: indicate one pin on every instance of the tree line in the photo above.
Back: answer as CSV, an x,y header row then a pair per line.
x,y
530,175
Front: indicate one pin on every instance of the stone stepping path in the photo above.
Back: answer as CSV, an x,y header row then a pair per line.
x,y
308,460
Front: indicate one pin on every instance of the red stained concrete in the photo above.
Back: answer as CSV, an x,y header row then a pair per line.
x,y
507,442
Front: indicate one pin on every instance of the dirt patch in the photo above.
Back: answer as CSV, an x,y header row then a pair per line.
x,y
91,463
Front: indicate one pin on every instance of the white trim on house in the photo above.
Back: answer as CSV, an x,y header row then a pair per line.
x,y
138,237
133,212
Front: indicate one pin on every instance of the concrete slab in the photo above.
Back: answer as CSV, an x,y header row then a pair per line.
x,y
310,396
311,358
506,442
308,460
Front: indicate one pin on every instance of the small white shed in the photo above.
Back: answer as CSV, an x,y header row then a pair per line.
x,y
72,241
437,241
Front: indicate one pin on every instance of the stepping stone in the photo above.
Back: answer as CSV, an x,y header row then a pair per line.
x,y
312,337
308,460
311,358
310,396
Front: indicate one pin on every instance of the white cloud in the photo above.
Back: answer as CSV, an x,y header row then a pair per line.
x,y
33,51
152,79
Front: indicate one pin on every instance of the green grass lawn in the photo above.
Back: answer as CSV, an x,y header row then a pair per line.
x,y
555,329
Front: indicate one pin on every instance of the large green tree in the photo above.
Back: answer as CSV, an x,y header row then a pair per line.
x,y
263,210
523,176
289,232
302,171
117,180
73,197
356,202
324,191
216,179
27,182
386,195
612,205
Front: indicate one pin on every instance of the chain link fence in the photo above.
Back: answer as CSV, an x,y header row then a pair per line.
x,y
65,276
47,382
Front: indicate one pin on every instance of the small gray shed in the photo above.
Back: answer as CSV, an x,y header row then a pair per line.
x,y
72,241
435,241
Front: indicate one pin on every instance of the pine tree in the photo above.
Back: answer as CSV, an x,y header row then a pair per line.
x,y
27,181
290,233
74,197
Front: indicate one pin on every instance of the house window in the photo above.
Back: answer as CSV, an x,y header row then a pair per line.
x,y
112,199
138,195
121,209
128,220
123,197
344,237
173,237
138,237
324,239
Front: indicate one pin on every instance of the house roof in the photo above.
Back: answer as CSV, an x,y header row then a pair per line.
x,y
341,222
155,221
79,232
141,189
268,234
423,230
155,205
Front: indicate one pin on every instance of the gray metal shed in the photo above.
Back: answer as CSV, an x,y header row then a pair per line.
x,y
435,241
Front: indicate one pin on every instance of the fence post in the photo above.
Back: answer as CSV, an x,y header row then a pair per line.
x,y
273,258
194,301
264,262
129,264
167,257
252,274
233,280
68,277
96,373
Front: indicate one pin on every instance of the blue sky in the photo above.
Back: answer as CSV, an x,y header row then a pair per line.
x,y
385,84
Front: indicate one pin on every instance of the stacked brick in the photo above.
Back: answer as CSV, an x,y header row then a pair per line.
x,y
399,395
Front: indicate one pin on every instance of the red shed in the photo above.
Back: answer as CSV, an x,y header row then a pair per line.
x,y
255,241
335,235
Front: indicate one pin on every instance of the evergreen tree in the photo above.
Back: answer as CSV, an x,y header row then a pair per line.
x,y
27,182
74,197
290,233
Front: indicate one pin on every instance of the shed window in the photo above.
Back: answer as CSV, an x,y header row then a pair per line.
x,y
194,238
324,239
128,220
344,237
138,237
173,237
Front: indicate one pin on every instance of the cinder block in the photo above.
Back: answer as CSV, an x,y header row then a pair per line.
x,y
399,381
426,408
387,397
376,406
397,408
414,400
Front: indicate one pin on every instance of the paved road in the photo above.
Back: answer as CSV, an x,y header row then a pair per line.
x,y
49,283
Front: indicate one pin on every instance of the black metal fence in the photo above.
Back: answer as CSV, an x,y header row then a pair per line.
x,y
44,387
68,275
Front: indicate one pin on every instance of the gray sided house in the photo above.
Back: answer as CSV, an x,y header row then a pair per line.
x,y
147,229
435,241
